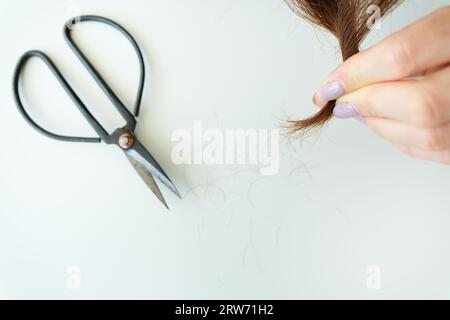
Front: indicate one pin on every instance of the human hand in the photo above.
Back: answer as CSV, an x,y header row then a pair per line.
x,y
400,88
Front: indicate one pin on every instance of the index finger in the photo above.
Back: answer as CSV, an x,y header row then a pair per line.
x,y
413,50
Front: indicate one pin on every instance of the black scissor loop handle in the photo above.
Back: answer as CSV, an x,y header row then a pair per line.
x,y
85,112
125,113
94,73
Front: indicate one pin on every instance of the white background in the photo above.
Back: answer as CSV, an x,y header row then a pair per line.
x,y
342,201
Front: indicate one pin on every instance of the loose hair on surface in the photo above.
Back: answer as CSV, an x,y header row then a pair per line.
x,y
347,20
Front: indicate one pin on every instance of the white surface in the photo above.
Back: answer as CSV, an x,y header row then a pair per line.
x,y
341,203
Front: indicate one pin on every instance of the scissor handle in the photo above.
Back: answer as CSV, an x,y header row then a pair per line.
x,y
85,112
125,113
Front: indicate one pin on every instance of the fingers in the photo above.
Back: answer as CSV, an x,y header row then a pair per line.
x,y
422,46
421,103
435,156
426,139
414,115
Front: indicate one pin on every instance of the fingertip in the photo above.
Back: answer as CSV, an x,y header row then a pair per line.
x,y
317,101
331,91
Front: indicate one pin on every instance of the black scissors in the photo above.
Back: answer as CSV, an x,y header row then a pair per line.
x,y
125,137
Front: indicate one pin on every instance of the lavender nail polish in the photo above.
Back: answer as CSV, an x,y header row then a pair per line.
x,y
344,111
331,91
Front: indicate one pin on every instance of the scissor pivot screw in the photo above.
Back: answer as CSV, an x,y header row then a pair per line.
x,y
126,141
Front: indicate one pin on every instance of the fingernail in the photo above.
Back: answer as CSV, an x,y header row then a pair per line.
x,y
331,91
344,111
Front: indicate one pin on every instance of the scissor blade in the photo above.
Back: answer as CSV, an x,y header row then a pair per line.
x,y
148,179
141,155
